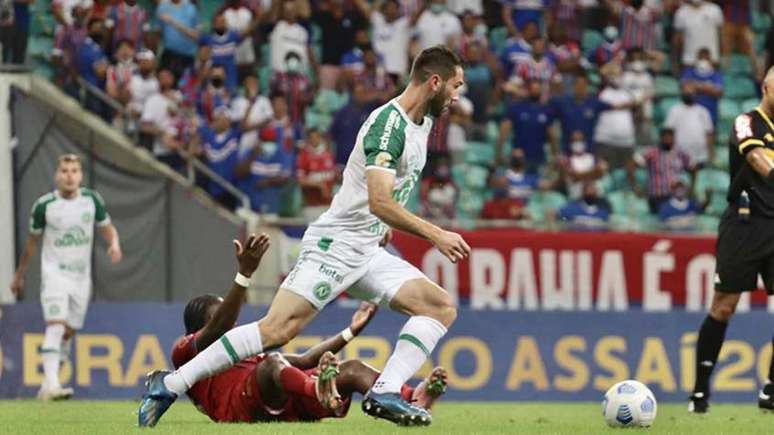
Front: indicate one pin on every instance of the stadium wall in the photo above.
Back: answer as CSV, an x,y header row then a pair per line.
x,y
490,355
176,241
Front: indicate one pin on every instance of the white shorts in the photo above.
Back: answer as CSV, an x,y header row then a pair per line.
x,y
65,300
320,277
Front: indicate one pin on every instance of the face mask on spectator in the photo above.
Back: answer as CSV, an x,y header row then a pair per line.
x,y
638,66
442,172
611,34
688,99
220,32
268,148
293,64
96,37
590,199
636,4
704,67
217,82
500,192
578,147
437,8
517,163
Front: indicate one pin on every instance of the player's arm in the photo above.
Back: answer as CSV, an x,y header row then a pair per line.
x,y
749,140
383,206
180,27
311,357
110,234
248,258
30,246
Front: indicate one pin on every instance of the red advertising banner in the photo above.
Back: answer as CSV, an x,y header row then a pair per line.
x,y
531,270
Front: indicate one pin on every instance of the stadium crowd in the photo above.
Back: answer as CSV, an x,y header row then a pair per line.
x,y
596,113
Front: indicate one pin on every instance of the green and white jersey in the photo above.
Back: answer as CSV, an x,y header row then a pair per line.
x,y
67,226
387,141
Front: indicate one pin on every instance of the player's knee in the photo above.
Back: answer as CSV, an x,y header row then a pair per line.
x,y
275,333
723,311
351,367
447,310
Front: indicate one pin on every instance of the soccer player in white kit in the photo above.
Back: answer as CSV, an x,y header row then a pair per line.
x,y
342,251
64,219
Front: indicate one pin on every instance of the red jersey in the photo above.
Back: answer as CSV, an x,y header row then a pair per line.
x,y
321,168
234,396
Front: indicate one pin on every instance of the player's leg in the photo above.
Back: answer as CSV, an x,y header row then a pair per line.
x,y
766,394
55,312
358,377
431,310
288,314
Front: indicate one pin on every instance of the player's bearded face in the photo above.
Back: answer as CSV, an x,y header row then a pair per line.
x,y
68,177
440,101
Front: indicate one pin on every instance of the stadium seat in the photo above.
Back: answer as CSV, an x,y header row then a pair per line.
x,y
666,86
707,224
728,108
749,104
544,202
264,78
479,153
627,203
723,130
739,64
760,22
590,39
498,37
718,181
721,156
476,177
470,203
662,108
492,132
739,87
329,101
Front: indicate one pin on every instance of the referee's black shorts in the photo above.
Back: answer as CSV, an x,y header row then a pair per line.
x,y
744,250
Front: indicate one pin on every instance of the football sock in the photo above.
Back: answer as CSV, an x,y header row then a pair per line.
x,y
416,341
771,364
235,345
711,336
52,342
295,381
67,347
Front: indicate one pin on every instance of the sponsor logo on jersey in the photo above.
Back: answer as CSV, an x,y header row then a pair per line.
x,y
331,273
324,244
322,290
73,236
383,159
392,120
86,217
743,127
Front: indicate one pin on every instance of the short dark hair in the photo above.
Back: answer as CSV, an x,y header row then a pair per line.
x,y
439,59
124,41
195,313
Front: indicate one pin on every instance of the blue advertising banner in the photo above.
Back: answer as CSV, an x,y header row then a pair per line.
x,y
490,355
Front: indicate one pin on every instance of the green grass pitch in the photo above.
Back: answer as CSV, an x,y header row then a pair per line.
x,y
113,418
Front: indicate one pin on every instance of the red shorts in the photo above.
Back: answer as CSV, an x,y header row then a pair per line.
x,y
248,406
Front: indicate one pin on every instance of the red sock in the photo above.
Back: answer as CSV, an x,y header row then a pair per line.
x,y
296,381
406,391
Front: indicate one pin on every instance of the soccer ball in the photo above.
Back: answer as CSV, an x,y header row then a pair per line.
x,y
629,404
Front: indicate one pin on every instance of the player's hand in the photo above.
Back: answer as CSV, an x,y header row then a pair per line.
x,y
386,239
365,312
115,254
452,246
17,286
165,18
249,255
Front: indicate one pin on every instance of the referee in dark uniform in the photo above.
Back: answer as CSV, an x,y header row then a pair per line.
x,y
745,246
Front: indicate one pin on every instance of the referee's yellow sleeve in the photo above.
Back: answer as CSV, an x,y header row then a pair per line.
x,y
750,142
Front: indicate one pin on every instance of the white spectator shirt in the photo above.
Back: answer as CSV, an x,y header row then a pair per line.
x,y
691,124
615,127
259,112
156,111
141,89
68,6
238,20
701,28
433,29
458,7
391,42
285,38
639,84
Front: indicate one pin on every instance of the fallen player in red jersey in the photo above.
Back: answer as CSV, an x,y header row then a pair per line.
x,y
274,386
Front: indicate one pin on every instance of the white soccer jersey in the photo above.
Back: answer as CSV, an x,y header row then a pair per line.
x,y
67,226
387,141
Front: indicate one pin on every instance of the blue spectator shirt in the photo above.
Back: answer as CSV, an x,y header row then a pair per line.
x,y
89,55
517,51
21,16
679,214
480,83
184,13
530,120
582,216
353,59
521,185
344,128
221,152
224,48
524,11
270,164
709,102
574,115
